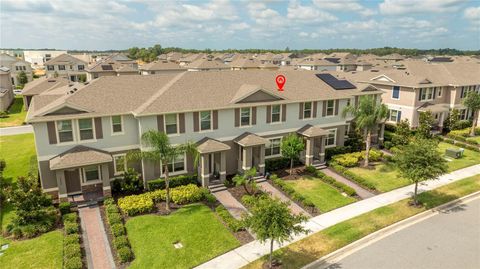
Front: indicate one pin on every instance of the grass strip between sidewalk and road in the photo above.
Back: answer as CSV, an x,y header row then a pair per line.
x,y
337,236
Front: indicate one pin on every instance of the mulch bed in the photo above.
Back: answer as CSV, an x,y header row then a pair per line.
x,y
298,172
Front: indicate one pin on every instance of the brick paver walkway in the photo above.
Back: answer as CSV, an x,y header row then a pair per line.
x,y
363,193
98,252
296,209
233,206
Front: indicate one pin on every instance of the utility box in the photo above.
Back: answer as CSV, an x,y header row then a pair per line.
x,y
454,153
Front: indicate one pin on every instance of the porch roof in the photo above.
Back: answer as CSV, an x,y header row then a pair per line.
x,y
434,108
248,140
79,156
312,131
209,145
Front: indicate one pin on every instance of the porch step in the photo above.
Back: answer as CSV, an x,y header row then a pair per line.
x,y
259,179
87,204
216,187
319,165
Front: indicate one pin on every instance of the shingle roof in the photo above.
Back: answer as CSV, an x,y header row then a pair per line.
x,y
312,131
248,140
40,85
162,65
79,156
205,63
64,59
209,145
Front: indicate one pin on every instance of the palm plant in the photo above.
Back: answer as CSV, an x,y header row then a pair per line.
x,y
246,179
367,116
161,150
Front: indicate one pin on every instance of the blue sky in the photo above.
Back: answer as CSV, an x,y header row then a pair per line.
x,y
222,24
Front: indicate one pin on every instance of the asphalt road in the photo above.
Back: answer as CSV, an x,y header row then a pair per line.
x,y
449,240
24,129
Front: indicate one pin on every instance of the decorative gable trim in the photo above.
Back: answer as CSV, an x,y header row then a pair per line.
x,y
65,109
383,78
254,94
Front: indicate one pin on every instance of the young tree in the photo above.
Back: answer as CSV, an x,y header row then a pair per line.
x,y
402,133
450,122
246,179
425,124
420,161
22,78
367,116
271,219
291,146
472,102
162,151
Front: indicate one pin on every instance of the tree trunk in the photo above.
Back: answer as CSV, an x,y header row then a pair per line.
x,y
415,194
271,253
167,189
246,189
474,124
291,166
367,148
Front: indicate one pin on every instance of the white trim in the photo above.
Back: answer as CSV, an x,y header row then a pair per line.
x,y
333,111
115,172
399,89
334,141
121,123
275,155
279,116
114,149
94,133
73,133
261,165
311,111
90,182
200,121
177,124
249,116
62,195
383,76
107,188
50,189
170,173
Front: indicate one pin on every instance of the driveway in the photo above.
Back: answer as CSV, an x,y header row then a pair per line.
x,y
24,129
450,239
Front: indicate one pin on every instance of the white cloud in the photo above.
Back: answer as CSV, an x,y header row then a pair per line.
x,y
344,5
307,14
397,7
473,15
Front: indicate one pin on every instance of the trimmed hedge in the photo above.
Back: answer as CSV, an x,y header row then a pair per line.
x,y
460,144
72,253
276,164
291,192
338,185
351,176
159,184
118,231
233,224
64,207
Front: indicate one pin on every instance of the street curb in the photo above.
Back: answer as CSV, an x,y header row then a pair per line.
x,y
337,255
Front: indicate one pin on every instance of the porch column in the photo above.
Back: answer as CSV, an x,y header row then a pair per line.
x,y
62,186
309,144
382,132
107,191
247,158
223,166
261,164
322,149
204,170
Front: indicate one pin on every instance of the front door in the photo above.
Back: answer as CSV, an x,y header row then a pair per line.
x,y
72,181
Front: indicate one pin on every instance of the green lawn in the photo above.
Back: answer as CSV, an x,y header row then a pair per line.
x,y
469,158
44,251
19,154
6,215
195,226
384,177
475,138
324,196
16,114
324,242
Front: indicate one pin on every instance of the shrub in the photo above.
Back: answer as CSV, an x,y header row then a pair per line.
x,y
210,198
73,263
120,242
233,224
125,254
29,231
159,184
108,201
157,195
387,144
71,239
249,200
117,229
310,169
472,141
330,152
111,208
64,207
135,204
71,251
339,185
186,194
461,124
130,182
71,227
71,217
114,218
375,155
278,164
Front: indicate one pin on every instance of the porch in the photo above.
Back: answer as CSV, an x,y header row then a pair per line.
x,y
314,139
212,163
251,152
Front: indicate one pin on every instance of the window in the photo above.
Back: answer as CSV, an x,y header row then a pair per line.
x,y
61,67
272,148
396,92
307,110
91,173
171,126
395,115
65,131
85,128
245,116
331,139
463,114
81,67
119,163
440,91
177,165
50,67
466,90
426,94
330,107
276,111
205,120
117,124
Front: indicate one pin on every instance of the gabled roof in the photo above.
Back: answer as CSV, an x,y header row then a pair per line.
x,y
312,131
209,145
248,140
246,90
162,66
79,156
41,85
206,63
64,59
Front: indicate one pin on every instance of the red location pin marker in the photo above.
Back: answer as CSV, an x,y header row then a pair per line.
x,y
280,80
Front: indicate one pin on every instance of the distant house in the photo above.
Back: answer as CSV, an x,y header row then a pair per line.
x,y
16,66
40,86
66,65
160,67
39,57
113,65
6,90
207,64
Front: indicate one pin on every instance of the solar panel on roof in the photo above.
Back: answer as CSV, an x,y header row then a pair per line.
x,y
337,84
107,67
333,60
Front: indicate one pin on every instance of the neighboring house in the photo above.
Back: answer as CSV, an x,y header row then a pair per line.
x,y
245,63
16,66
419,87
310,63
113,65
160,67
38,58
237,119
66,65
6,89
40,86
207,64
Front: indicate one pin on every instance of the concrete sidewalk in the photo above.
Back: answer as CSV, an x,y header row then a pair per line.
x,y
24,129
252,251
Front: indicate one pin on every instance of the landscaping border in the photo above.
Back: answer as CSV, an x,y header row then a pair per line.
x,y
343,171
116,229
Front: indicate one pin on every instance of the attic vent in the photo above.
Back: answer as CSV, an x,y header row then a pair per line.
x,y
374,70
337,84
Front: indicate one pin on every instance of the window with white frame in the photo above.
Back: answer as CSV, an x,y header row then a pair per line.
x,y
50,67
394,115
61,67
177,165
331,139
245,116
65,131
396,92
171,125
119,164
91,173
426,94
307,110
272,148
85,128
276,113
330,110
205,120
81,67
117,126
